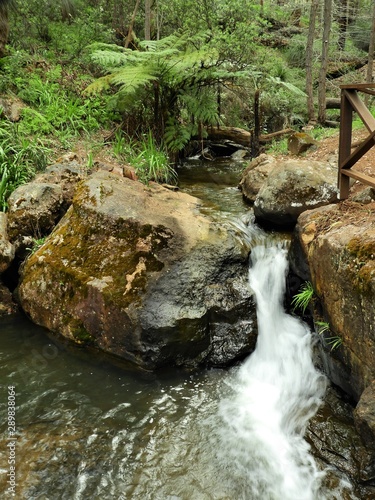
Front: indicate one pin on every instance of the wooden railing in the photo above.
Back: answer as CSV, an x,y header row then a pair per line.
x,y
351,102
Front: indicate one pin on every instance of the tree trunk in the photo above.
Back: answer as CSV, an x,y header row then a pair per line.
x,y
255,137
324,62
371,50
4,26
342,20
118,20
309,58
147,19
131,25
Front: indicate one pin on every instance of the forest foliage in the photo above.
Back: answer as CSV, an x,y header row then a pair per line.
x,y
166,69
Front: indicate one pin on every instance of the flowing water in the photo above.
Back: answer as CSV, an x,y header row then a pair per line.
x,y
274,394
86,430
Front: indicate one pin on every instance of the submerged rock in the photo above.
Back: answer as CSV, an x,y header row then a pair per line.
x,y
137,272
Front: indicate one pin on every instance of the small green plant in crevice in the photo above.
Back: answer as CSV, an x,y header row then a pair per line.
x,y
334,341
303,298
322,327
37,243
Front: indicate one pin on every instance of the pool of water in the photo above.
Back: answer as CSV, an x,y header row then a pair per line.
x,y
215,183
86,429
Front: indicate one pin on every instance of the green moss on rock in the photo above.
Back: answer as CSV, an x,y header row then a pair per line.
x,y
81,335
362,263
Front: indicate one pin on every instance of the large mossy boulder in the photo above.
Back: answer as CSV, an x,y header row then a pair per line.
x,y
36,207
292,187
139,273
338,244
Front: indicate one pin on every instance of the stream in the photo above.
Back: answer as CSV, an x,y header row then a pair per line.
x,y
86,429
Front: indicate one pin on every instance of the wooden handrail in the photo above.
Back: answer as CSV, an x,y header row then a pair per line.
x,y
351,102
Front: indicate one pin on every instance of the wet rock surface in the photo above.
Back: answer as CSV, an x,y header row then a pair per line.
x,y
364,416
136,272
7,250
336,444
255,175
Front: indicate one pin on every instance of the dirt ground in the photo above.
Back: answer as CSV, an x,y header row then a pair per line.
x,y
328,149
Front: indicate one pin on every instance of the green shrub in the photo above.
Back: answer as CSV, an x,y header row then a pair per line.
x,y
296,52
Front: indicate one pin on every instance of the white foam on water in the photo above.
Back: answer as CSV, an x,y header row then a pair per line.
x,y
274,394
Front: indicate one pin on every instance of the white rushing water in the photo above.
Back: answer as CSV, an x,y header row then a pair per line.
x,y
275,392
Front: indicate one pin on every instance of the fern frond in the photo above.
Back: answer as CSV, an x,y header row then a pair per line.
x,y
99,85
176,134
176,41
93,47
108,58
287,85
130,78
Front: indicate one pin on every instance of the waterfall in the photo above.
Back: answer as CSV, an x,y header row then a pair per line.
x,y
273,396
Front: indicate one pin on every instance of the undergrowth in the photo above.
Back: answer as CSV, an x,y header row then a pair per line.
x,y
20,158
150,161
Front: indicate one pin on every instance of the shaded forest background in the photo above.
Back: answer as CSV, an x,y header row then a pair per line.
x,y
143,78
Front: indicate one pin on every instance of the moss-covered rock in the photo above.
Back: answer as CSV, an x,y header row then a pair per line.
x,y
137,272
338,243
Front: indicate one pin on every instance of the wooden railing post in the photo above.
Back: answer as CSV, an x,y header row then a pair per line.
x,y
351,102
345,141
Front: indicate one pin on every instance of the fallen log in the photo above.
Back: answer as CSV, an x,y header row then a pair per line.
x,y
333,103
264,138
242,136
235,134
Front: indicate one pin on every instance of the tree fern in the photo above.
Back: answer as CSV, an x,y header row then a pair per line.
x,y
177,134
176,77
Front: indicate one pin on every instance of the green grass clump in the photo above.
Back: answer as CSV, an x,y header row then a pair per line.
x,y
20,159
302,299
152,163
149,160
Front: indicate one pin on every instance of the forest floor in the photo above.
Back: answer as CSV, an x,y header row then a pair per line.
x,y
328,149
